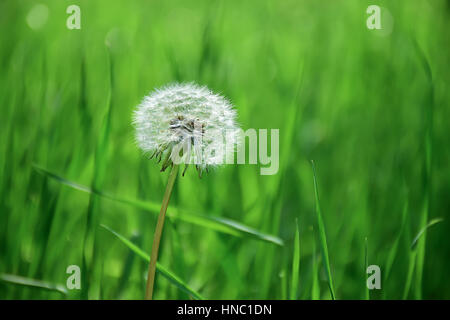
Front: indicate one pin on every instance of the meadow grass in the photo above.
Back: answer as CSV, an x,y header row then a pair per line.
x,y
371,109
295,264
322,235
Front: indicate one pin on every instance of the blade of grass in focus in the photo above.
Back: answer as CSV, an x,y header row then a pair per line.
x,y
219,224
428,109
33,283
322,235
413,252
174,279
411,265
423,230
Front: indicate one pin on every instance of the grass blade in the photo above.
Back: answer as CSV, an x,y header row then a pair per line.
x,y
27,282
174,279
428,115
322,235
315,288
239,228
422,231
409,275
413,256
366,264
295,264
418,246
218,224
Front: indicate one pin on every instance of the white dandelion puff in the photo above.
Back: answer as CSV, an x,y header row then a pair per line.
x,y
186,123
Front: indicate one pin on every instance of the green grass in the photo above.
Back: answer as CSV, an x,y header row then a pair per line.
x,y
415,260
315,287
295,263
218,224
322,235
371,109
366,264
159,268
31,283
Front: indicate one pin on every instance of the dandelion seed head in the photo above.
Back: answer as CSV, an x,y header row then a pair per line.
x,y
186,123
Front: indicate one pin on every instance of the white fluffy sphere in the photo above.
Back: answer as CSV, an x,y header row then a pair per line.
x,y
186,123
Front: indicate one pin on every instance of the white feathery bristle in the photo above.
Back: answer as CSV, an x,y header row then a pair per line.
x,y
186,115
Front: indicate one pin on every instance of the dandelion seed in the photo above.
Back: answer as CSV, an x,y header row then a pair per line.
x,y
186,123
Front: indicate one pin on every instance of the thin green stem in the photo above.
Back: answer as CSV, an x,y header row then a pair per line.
x,y
158,233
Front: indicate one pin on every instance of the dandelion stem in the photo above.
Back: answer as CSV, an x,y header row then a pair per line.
x,y
158,233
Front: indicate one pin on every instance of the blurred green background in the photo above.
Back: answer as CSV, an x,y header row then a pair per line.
x,y
370,107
